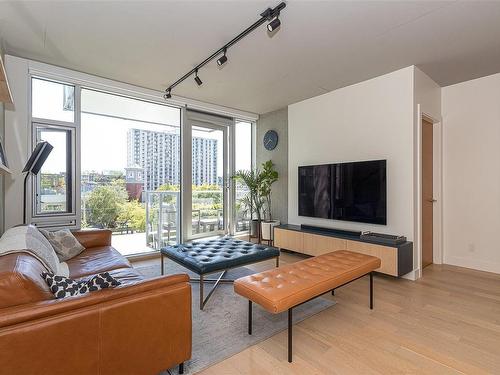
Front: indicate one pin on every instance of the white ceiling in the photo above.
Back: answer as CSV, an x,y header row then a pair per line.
x,y
322,45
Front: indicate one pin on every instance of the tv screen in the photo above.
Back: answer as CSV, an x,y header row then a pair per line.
x,y
344,191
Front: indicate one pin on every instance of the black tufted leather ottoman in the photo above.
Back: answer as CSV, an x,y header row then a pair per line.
x,y
219,255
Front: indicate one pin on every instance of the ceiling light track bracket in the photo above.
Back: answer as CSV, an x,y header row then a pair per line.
x,y
269,14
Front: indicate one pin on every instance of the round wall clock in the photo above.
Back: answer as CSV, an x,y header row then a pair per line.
x,y
270,140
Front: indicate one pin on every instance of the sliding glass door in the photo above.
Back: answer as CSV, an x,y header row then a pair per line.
x,y
206,190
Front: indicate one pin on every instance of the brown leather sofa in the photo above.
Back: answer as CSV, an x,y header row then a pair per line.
x,y
140,327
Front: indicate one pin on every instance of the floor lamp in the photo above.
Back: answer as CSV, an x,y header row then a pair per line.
x,y
33,166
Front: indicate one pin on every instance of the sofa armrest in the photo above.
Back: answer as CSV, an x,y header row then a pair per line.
x,y
93,237
139,328
37,310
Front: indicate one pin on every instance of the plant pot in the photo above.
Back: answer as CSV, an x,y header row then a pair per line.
x,y
254,228
268,229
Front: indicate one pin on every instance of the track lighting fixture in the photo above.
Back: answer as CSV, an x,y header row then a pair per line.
x,y
223,59
269,15
274,24
197,79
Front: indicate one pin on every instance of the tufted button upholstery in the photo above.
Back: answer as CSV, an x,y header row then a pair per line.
x,y
219,254
278,289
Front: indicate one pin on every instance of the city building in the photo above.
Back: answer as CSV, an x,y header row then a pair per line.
x,y
157,153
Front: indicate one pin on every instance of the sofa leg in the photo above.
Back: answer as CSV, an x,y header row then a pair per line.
x,y
249,317
371,290
333,292
181,368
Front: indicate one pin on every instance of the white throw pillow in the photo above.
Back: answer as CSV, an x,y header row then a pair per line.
x,y
29,240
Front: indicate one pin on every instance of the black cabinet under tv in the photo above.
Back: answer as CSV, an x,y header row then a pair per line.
x,y
397,259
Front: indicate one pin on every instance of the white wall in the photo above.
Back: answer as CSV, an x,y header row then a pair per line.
x,y
471,125
370,120
16,139
376,119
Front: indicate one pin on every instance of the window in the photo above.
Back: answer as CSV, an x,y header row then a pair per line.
x,y
127,147
54,182
116,163
54,120
52,100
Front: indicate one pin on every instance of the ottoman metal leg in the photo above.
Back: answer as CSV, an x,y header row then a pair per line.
x,y
201,292
277,262
219,280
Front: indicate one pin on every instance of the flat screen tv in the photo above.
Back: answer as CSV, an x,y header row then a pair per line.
x,y
344,191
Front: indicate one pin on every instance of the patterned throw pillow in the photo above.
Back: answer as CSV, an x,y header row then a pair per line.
x,y
63,287
64,243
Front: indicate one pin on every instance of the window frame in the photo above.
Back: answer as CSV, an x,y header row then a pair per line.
x,y
70,151
70,218
81,81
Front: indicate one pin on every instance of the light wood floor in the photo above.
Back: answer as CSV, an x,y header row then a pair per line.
x,y
448,322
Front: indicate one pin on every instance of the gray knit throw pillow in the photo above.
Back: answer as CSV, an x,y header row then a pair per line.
x,y
64,243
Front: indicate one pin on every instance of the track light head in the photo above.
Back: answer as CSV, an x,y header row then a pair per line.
x,y
223,59
197,79
168,94
274,24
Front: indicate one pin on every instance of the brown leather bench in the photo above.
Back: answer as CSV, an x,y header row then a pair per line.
x,y
289,286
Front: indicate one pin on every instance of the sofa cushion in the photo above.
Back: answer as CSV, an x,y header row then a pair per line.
x,y
64,243
95,260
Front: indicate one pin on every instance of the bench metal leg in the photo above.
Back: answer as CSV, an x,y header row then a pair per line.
x,y
181,368
371,290
290,335
249,317
162,264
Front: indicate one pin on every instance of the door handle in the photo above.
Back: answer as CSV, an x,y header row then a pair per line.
x,y
432,200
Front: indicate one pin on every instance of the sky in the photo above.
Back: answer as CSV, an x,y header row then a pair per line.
x,y
104,138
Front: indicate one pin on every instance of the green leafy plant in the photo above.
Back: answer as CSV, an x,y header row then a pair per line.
x,y
259,183
268,177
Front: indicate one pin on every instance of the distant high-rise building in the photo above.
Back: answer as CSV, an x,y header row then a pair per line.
x,y
157,153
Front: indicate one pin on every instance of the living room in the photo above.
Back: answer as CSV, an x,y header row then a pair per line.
x,y
299,187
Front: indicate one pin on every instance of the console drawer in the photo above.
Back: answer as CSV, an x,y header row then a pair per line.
x,y
388,255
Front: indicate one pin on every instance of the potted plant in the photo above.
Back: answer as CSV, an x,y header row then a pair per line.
x,y
268,177
258,199
252,201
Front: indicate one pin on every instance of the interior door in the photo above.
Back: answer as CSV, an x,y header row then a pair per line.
x,y
427,193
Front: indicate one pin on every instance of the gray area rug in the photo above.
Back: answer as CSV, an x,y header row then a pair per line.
x,y
220,330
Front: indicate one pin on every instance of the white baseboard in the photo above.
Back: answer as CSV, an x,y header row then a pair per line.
x,y
413,275
475,264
